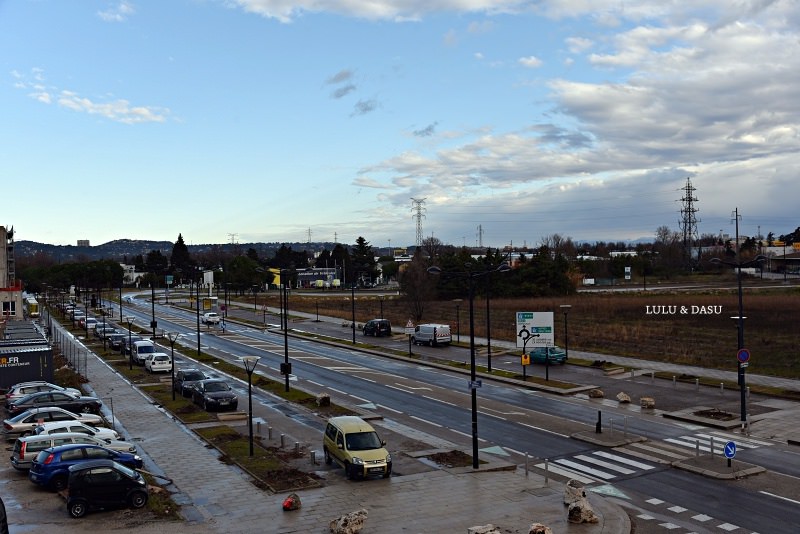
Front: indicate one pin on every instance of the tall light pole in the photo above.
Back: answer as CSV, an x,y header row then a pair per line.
x,y
565,309
250,363
742,362
381,297
153,305
458,320
129,320
197,306
173,337
474,384
353,309
286,367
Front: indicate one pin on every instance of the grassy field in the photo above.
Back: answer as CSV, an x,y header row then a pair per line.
x,y
693,328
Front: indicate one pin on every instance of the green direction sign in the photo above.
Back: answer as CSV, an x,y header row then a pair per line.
x,y
535,329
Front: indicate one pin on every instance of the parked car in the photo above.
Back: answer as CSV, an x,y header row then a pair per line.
x,y
17,391
214,394
50,468
129,341
3,518
117,340
88,323
352,443
142,350
158,362
59,427
185,380
377,327
541,354
99,484
25,423
28,447
73,403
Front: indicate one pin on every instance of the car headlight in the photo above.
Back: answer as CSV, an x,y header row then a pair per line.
x,y
357,460
388,458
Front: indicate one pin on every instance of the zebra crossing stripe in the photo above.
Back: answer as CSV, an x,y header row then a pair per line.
x,y
585,469
656,450
568,473
740,441
601,463
623,459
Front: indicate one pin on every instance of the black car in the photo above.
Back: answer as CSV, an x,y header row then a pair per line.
x,y
185,380
377,327
73,403
98,484
126,346
214,394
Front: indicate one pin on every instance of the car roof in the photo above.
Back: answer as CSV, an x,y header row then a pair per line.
x,y
34,437
69,446
351,423
91,464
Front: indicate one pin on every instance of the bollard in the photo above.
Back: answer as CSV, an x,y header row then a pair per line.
x,y
721,388
546,471
598,428
712,446
269,433
526,464
697,448
313,456
296,447
652,377
283,440
697,384
747,390
258,427
632,374
674,381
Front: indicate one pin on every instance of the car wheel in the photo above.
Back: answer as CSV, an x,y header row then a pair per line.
x,y
58,483
77,508
137,499
328,459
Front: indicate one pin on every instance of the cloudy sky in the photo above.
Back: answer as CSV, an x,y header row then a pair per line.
x,y
282,120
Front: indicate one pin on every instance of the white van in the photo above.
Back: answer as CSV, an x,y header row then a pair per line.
x,y
431,334
142,350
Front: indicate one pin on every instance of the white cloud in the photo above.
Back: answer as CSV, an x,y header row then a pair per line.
x,y
117,13
530,62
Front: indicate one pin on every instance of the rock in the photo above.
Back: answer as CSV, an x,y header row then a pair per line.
x,y
292,502
538,528
623,397
350,523
581,511
647,402
596,394
323,399
485,529
573,491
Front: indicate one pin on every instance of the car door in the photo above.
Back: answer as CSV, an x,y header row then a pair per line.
x,y
105,486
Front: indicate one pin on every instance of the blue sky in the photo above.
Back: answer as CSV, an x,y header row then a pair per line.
x,y
280,120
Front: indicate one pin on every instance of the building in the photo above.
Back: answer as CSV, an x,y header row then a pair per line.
x,y
10,287
83,242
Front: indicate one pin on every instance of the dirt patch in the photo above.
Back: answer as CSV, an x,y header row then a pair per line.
x,y
451,459
715,414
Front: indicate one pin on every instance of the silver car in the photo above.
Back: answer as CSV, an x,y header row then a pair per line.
x,y
23,389
26,448
24,424
59,427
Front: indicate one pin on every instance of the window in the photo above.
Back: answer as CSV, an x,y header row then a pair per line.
x,y
98,454
72,454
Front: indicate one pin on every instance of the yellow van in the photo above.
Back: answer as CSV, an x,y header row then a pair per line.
x,y
352,443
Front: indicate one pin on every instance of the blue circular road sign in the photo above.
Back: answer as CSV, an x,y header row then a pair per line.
x,y
743,355
730,450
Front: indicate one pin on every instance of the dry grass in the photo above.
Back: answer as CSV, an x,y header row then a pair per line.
x,y
620,324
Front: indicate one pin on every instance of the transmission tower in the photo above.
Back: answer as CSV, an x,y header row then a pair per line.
x,y
480,236
688,223
418,207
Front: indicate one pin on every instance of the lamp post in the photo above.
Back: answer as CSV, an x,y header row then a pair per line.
x,y
565,309
739,319
458,320
381,297
173,337
129,320
286,367
153,307
353,309
250,363
197,306
474,384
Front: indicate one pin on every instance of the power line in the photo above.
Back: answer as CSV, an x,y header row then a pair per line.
x,y
417,206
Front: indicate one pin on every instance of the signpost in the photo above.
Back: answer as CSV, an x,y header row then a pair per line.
x,y
730,451
409,332
540,327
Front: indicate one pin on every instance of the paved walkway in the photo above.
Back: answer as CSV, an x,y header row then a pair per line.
x,y
216,497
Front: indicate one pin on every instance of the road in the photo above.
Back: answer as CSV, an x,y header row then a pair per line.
x,y
517,422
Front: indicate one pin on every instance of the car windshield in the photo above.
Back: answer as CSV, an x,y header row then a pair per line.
x,y
363,441
217,386
146,349
195,375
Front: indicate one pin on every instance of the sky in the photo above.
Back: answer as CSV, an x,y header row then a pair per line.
x,y
324,120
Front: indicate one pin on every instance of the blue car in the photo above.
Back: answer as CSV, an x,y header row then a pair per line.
x,y
51,466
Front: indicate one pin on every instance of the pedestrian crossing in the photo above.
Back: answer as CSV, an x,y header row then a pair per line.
x,y
630,460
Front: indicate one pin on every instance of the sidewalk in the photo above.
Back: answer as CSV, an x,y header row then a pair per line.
x,y
216,497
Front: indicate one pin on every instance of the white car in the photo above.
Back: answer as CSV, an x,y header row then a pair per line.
x,y
157,362
211,318
59,427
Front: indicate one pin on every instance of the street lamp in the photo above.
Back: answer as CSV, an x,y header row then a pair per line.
x,y
250,363
353,309
381,297
741,361
474,384
129,320
286,367
565,308
173,337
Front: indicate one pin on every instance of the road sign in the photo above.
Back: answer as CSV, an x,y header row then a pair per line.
x,y
730,450
410,327
526,359
474,384
743,355
536,329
